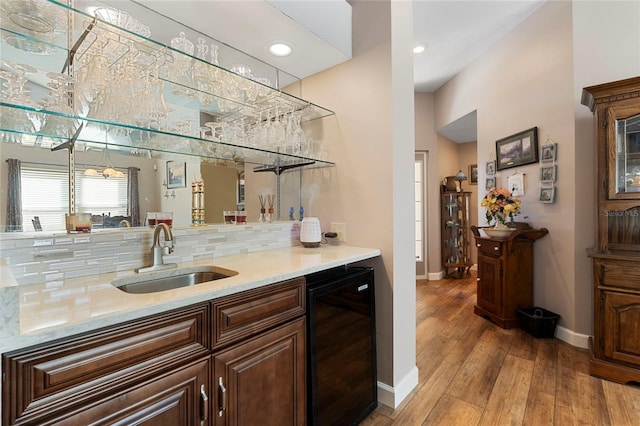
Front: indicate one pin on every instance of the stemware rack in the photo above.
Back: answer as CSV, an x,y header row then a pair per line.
x,y
248,105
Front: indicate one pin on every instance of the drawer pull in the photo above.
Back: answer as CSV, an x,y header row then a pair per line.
x,y
204,404
496,248
478,279
222,397
478,245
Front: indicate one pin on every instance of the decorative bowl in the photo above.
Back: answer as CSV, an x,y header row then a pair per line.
x,y
498,234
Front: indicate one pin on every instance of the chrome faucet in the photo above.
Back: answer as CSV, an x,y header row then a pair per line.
x,y
157,250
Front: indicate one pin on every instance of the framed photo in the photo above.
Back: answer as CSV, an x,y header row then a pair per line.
x,y
548,174
517,150
491,168
176,172
490,183
548,153
547,194
473,174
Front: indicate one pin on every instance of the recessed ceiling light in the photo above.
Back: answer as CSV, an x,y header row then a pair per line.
x,y
280,49
419,48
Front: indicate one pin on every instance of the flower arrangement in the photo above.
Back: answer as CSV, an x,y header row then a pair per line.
x,y
500,205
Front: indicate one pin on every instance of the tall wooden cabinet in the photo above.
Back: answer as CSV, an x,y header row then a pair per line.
x,y
615,345
505,275
455,252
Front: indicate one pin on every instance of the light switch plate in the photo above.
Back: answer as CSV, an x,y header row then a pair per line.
x,y
340,229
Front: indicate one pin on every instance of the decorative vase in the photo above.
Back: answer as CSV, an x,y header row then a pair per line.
x,y
500,231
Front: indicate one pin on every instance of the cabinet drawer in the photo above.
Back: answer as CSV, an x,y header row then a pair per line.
x,y
55,376
248,313
489,247
619,274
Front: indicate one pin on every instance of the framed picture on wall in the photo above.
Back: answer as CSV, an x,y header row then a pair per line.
x,y
176,172
490,183
491,168
547,194
473,174
517,150
549,152
548,174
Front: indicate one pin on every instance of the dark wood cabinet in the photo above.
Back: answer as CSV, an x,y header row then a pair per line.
x,y
505,275
615,345
262,381
169,369
178,397
54,381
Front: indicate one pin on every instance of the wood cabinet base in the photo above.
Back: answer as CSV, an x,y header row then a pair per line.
x,y
612,370
497,319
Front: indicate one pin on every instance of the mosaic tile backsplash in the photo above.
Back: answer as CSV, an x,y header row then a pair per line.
x,y
36,259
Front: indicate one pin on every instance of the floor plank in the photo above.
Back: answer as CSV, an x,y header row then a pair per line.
x,y
472,372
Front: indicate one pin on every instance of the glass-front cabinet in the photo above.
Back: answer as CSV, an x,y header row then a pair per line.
x,y
455,250
627,153
132,80
616,258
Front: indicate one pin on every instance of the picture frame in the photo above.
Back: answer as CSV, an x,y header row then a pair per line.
x,y
517,150
548,174
490,183
548,153
491,167
547,194
473,174
176,172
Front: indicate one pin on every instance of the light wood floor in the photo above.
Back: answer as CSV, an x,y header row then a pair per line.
x,y
475,373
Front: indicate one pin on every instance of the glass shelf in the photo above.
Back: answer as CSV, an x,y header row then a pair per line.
x,y
172,94
138,141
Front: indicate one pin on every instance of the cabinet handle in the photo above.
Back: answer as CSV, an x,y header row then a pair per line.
x,y
496,249
478,279
478,245
204,404
222,397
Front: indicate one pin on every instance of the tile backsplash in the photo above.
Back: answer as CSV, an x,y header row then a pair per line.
x,y
35,258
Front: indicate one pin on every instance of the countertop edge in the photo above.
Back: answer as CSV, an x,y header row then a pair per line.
x,y
15,339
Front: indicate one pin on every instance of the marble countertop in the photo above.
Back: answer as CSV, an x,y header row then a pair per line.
x,y
37,313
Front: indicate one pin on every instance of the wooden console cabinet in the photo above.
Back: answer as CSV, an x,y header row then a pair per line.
x,y
237,358
505,275
615,346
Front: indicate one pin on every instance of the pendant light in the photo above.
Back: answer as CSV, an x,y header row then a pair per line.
x,y
108,171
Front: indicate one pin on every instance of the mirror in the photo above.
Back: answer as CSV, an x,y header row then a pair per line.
x,y
222,181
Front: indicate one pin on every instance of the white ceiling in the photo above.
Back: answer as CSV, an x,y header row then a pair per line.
x,y
456,32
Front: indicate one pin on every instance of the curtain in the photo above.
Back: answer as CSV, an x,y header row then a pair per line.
x,y
14,197
133,197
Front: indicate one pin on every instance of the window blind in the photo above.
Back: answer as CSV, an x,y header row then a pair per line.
x,y
45,194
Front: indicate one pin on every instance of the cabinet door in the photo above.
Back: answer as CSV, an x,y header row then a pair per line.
x,y
621,327
179,397
262,382
490,284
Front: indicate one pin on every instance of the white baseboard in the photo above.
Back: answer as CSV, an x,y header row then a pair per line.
x,y
572,338
435,276
393,396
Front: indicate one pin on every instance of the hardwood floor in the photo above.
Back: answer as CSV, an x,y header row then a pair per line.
x,y
473,372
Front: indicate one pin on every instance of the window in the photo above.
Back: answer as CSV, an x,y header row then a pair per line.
x,y
45,194
419,209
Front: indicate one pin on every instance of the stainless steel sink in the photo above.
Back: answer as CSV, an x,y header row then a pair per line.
x,y
171,279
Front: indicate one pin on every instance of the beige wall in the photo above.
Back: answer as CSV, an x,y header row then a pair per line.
x,y
467,155
371,139
526,80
